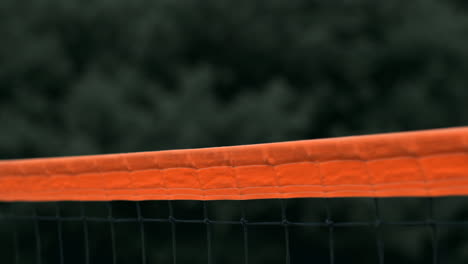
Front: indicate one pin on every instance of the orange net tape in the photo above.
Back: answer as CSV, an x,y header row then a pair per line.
x,y
424,163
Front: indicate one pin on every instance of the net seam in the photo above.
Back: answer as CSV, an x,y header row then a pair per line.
x,y
324,186
23,173
168,196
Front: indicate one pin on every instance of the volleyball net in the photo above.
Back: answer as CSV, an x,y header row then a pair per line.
x,y
399,197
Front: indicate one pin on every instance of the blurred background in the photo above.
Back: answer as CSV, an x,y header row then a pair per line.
x,y
90,77
107,76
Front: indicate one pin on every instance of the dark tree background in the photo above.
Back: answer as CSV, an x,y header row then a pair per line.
x,y
89,77
105,76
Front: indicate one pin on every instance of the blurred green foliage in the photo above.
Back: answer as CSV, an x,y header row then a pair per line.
x,y
89,77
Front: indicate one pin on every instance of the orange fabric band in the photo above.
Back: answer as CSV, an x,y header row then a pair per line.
x,y
425,163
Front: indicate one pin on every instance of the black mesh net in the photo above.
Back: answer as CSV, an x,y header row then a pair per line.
x,y
315,230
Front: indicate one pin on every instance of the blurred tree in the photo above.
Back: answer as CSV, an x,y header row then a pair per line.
x,y
117,76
